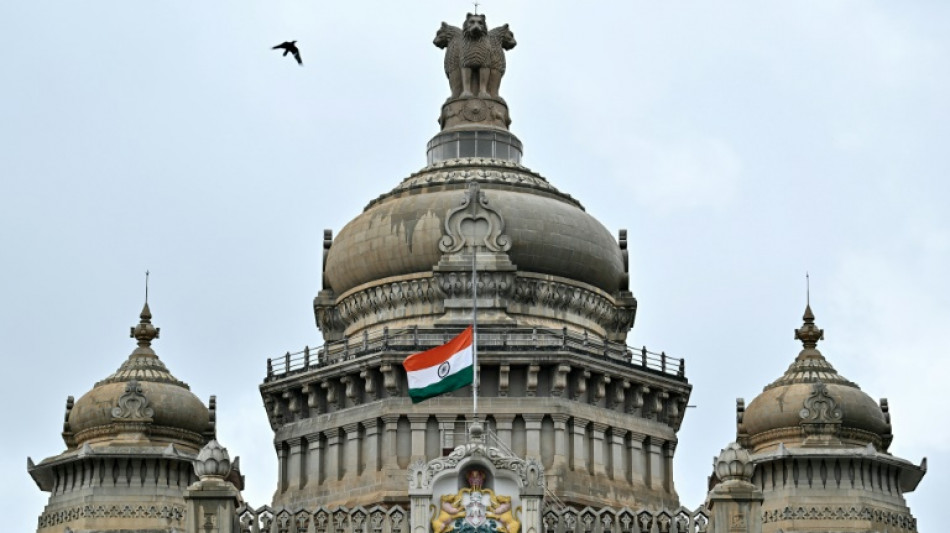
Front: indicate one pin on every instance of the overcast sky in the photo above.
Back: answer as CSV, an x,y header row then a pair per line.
x,y
740,143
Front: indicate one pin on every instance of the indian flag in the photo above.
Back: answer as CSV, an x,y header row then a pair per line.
x,y
442,369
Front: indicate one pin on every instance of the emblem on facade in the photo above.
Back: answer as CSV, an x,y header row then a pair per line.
x,y
475,509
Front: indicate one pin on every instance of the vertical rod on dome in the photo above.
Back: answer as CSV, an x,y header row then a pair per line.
x,y
474,327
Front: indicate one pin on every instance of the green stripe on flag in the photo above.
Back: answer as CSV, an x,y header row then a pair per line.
x,y
456,381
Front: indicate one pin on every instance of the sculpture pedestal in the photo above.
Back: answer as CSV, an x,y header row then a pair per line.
x,y
475,112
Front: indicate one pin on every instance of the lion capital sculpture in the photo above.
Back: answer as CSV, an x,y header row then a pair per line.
x,y
474,56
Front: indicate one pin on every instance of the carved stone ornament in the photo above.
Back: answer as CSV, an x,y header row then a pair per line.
x,y
473,222
530,472
132,404
474,56
820,407
213,461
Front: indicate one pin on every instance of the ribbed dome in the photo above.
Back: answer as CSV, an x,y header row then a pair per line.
x,y
550,232
812,401
142,396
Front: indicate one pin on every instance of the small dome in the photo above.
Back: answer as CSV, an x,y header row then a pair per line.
x,y
812,403
550,232
141,397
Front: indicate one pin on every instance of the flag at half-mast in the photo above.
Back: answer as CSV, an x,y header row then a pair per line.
x,y
442,369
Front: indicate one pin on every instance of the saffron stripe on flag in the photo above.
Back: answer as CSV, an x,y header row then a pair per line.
x,y
439,354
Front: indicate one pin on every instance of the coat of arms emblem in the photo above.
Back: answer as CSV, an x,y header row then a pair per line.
x,y
475,509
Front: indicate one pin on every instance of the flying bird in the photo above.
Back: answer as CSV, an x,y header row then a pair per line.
x,y
289,47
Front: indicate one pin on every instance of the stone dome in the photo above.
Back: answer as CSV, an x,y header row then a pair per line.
x,y
141,401
813,404
550,233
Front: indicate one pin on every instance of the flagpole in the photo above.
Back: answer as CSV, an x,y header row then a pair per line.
x,y
474,334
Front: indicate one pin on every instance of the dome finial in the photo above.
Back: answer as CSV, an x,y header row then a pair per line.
x,y
145,332
809,333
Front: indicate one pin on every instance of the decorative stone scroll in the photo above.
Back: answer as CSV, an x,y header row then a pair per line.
x,y
133,404
530,472
474,223
820,407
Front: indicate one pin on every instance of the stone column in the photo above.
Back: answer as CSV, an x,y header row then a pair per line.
x,y
389,452
211,501
351,451
532,424
637,464
293,462
616,453
668,451
656,463
531,498
315,458
735,504
281,467
580,445
371,445
210,507
333,455
417,423
503,423
560,441
600,467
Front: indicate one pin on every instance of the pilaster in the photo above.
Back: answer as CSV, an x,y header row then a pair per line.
x,y
351,450
294,466
599,431
580,445
389,452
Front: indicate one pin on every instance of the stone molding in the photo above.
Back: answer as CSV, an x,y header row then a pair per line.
x,y
480,169
174,513
149,429
424,295
901,521
796,434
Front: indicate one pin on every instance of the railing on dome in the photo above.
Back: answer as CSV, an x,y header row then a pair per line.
x,y
416,339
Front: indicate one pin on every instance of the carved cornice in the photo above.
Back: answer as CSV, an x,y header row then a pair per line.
x,y
424,295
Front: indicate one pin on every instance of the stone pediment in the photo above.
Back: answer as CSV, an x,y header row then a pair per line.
x,y
529,473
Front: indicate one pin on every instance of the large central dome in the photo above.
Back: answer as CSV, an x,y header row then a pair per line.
x,y
541,260
399,233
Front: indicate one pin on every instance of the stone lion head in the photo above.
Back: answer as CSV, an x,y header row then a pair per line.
x,y
445,35
475,25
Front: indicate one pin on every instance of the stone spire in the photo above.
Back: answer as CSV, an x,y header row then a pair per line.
x,y
143,363
810,366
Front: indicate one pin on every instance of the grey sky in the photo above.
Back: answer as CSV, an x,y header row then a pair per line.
x,y
740,143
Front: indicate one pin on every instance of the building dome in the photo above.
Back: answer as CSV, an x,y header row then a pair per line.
x,y
812,403
550,233
141,400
